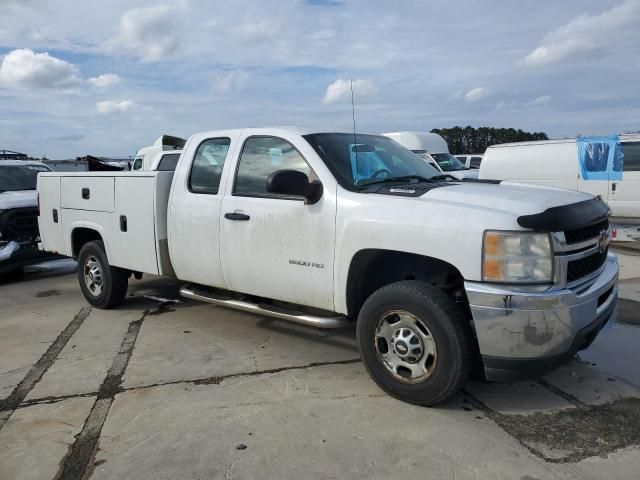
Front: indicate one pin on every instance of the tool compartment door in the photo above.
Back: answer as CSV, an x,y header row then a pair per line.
x,y
49,219
92,193
134,236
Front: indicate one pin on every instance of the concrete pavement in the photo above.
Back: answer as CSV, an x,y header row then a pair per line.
x,y
188,390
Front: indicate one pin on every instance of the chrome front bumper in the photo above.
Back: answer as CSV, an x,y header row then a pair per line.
x,y
524,331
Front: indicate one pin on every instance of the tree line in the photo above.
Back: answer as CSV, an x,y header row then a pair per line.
x,y
476,140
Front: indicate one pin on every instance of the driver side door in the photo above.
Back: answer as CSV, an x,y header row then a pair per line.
x,y
276,246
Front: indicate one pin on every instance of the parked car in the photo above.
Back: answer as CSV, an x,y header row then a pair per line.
x,y
326,229
433,148
160,155
605,166
471,160
19,214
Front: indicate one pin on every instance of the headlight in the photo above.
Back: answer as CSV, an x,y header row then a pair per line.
x,y
513,257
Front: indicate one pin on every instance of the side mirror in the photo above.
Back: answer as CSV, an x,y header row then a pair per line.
x,y
294,183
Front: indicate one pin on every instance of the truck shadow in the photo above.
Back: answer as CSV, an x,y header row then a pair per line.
x,y
50,269
343,338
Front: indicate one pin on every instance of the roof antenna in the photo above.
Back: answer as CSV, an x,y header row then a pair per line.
x,y
355,138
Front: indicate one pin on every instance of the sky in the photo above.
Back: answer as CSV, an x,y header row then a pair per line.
x,y
107,78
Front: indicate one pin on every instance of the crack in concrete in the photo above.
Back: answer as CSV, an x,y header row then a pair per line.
x,y
55,399
561,393
78,463
42,365
220,379
197,381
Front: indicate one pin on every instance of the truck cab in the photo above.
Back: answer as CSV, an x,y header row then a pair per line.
x,y
330,228
162,155
158,161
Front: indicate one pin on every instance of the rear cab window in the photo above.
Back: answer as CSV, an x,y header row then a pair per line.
x,y
168,162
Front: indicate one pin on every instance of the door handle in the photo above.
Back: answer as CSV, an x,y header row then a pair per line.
x,y
613,187
237,216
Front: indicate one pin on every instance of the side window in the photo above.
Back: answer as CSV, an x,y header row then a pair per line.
x,y
137,164
631,161
261,156
168,162
475,162
206,170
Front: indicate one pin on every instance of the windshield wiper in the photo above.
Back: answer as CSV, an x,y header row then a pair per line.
x,y
444,177
372,181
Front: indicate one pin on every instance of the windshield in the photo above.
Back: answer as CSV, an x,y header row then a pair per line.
x,y
359,160
20,177
448,162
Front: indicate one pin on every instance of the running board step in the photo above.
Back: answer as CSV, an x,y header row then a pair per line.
x,y
203,294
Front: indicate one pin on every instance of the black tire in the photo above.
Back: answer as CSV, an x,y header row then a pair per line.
x,y
114,280
445,324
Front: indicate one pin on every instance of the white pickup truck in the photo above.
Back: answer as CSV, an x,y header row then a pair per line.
x,y
440,276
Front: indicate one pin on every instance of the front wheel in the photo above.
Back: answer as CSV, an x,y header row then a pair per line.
x,y
414,342
103,286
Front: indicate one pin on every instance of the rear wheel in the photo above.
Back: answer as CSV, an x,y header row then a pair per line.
x,y
414,342
103,286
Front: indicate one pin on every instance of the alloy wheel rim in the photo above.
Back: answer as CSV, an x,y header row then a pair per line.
x,y
93,276
405,346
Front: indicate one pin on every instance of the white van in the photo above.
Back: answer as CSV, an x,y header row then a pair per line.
x,y
433,148
162,155
604,166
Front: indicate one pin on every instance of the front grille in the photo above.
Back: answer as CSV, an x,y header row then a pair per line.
x,y
586,233
577,269
19,224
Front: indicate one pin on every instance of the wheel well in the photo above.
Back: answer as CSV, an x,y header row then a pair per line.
x,y
372,269
80,236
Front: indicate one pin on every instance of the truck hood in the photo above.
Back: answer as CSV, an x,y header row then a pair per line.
x,y
507,197
18,199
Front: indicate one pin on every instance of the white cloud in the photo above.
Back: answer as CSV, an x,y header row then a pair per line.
x,y
230,81
23,68
541,100
585,33
476,94
150,33
105,80
340,90
108,107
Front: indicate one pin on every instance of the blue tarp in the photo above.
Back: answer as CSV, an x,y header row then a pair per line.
x,y
600,158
